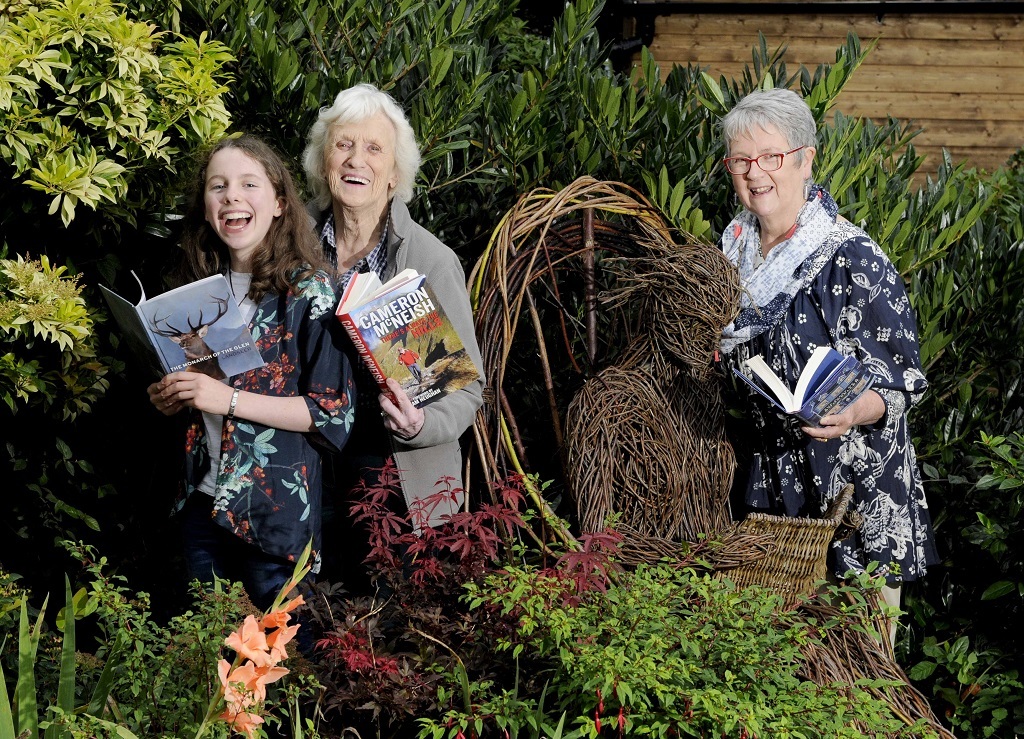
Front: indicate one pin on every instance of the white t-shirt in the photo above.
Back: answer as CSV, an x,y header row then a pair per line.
x,y
214,422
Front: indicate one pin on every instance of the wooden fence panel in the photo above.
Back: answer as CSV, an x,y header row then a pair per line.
x,y
959,77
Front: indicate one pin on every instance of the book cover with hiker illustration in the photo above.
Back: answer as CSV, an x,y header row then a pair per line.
x,y
401,331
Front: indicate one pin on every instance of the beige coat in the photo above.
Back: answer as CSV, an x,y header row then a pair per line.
x,y
434,453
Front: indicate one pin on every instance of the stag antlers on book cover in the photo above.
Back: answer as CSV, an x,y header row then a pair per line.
x,y
193,328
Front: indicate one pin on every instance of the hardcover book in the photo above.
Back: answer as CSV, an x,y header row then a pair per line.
x,y
193,328
829,383
400,330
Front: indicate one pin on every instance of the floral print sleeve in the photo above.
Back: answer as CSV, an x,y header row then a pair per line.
x,y
269,487
868,315
330,387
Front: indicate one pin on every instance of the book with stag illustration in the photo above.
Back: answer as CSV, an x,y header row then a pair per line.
x,y
193,328
829,383
400,330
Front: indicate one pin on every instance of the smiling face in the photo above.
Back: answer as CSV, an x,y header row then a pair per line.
x,y
360,164
774,197
241,203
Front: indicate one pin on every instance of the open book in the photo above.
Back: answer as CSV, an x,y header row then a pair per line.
x,y
193,328
401,331
829,383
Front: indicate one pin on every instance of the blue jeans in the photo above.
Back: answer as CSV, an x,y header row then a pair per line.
x,y
213,550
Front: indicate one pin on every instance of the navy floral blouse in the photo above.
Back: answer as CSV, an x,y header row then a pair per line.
x,y
857,303
269,487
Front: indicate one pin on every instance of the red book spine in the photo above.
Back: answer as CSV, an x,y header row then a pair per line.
x,y
364,351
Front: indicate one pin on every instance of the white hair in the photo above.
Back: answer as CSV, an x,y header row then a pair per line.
x,y
353,105
777,108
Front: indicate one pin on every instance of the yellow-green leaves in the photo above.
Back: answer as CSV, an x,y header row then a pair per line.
x,y
89,98
41,306
72,178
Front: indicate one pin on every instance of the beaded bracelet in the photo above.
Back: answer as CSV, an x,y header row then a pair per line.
x,y
234,402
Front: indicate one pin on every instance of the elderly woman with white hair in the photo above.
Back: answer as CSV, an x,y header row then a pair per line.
x,y
814,279
361,161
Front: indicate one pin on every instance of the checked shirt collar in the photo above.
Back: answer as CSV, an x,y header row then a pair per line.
x,y
376,261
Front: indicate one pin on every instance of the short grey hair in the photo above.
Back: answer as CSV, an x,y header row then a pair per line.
x,y
355,104
778,108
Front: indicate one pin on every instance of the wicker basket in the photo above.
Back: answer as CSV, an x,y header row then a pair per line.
x,y
796,558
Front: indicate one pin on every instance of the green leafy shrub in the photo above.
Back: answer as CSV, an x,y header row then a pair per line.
x,y
973,680
971,318
981,694
569,645
50,372
166,674
141,678
23,720
1000,531
91,99
50,340
662,651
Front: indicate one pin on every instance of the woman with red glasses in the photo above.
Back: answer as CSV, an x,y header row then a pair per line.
x,y
814,279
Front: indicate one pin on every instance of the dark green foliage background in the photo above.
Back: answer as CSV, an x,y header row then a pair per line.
x,y
499,111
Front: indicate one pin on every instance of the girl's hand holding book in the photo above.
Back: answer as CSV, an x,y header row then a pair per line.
x,y
162,404
191,389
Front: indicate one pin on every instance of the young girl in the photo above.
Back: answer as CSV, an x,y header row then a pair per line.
x,y
252,475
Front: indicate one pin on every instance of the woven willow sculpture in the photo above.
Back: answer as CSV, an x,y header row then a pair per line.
x,y
547,238
642,436
645,435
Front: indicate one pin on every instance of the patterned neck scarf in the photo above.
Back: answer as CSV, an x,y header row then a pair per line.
x,y
772,283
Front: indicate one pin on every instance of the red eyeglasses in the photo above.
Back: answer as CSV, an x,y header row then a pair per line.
x,y
767,162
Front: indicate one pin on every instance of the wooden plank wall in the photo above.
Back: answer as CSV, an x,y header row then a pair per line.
x,y
959,77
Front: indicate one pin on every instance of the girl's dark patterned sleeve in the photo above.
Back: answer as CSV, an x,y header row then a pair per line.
x,y
876,323
329,385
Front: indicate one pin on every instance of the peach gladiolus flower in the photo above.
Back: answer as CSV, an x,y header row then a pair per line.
x,y
259,646
278,639
241,691
282,633
238,692
245,687
280,617
247,683
243,722
250,642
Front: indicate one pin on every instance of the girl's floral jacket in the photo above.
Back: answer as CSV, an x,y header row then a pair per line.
x,y
269,486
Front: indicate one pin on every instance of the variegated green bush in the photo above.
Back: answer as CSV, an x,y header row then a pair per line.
x,y
49,338
90,99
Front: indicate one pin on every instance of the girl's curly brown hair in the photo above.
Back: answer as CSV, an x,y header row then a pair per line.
x,y
289,253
